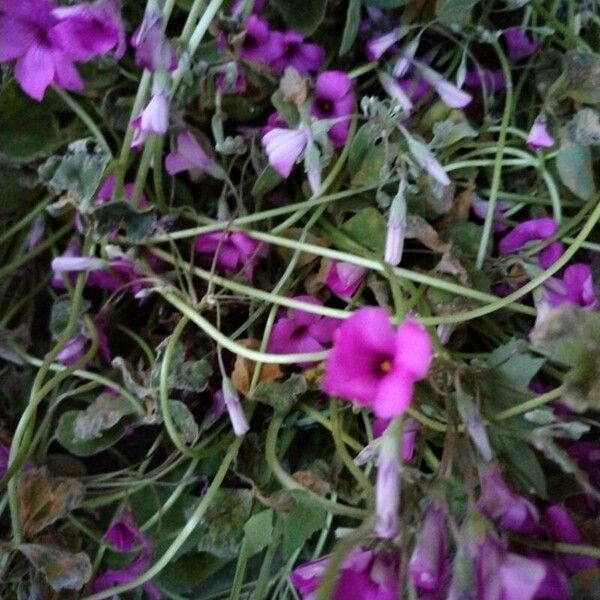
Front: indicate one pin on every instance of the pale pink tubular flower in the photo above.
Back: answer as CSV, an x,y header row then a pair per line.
x,y
376,47
190,155
395,91
387,488
539,137
153,120
374,364
450,95
75,264
396,230
402,65
343,279
234,408
284,147
426,159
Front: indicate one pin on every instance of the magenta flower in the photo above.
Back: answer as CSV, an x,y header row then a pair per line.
x,y
428,564
575,287
538,135
550,254
301,331
500,503
555,585
491,81
365,574
374,364
480,208
343,279
562,528
527,231
519,45
77,346
305,57
376,47
284,147
124,534
190,156
234,251
260,43
334,100
27,34
88,30
152,49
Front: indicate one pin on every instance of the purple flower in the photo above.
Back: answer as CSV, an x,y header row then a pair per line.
x,y
301,331
234,251
519,45
480,208
555,585
88,30
575,287
409,435
232,83
284,147
4,457
153,120
123,534
562,528
343,279
498,502
305,57
550,254
152,49
374,364
377,46
395,91
365,574
491,80
428,563
538,135
77,346
238,5
334,99
260,43
190,156
26,31
527,231
71,264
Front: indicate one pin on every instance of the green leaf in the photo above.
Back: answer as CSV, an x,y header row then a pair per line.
x,y
523,463
302,15
287,109
28,129
368,228
222,529
574,165
359,146
102,414
448,132
120,215
266,182
189,375
78,172
351,26
455,12
281,395
516,367
62,569
184,421
304,518
373,168
582,76
65,434
61,313
258,531
385,3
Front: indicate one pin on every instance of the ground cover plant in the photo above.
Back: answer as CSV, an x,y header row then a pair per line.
x,y
299,299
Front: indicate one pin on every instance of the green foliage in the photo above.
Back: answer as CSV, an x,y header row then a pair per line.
x,y
351,26
119,215
574,165
581,76
303,15
280,395
304,518
368,228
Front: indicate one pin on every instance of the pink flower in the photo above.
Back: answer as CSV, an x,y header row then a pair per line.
x,y
152,49
519,45
303,56
550,254
123,534
377,46
480,208
283,147
538,135
343,279
88,30
260,43
235,251
491,81
301,331
450,95
374,364
334,99
527,231
190,156
365,575
234,408
575,287
26,31
153,120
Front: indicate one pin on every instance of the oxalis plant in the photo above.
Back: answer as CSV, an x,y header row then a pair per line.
x,y
299,299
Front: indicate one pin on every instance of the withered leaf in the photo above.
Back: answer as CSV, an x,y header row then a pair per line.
x,y
418,228
62,569
44,499
103,413
244,368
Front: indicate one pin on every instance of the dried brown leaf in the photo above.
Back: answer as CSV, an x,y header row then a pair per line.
x,y
244,368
